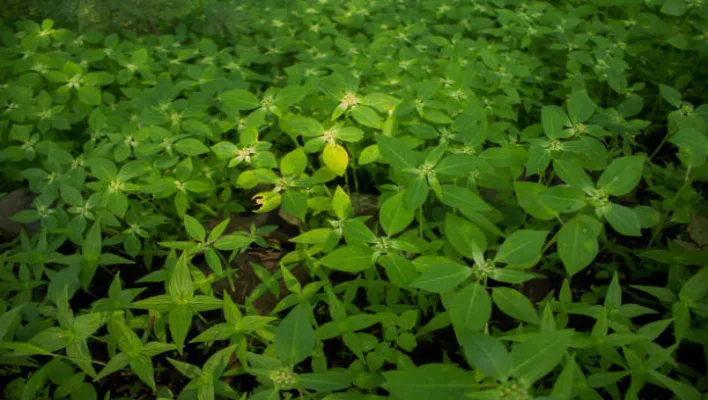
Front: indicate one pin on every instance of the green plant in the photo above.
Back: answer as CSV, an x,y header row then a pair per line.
x,y
436,160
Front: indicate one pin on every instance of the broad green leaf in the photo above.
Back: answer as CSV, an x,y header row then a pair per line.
x,y
443,277
90,95
233,242
436,116
509,275
456,165
103,168
580,106
417,193
314,236
693,139
564,386
539,355
471,308
295,337
463,199
142,366
396,152
326,381
293,163
395,215
399,271
191,147
429,382
622,175
695,288
180,285
367,117
488,354
577,243
521,247
564,199
573,175
336,158
671,95
239,100
465,237
353,258
180,320
528,194
515,305
682,390
294,202
341,203
194,228
623,220
554,120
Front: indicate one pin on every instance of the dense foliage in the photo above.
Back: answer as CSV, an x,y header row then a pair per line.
x,y
497,199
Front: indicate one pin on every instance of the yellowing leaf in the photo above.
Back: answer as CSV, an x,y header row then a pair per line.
x,y
336,158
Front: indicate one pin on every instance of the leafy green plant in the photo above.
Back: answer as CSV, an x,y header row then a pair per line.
x,y
498,199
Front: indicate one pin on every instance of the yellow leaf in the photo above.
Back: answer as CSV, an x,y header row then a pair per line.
x,y
336,158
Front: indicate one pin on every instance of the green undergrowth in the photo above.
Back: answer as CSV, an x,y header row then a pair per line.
x,y
491,199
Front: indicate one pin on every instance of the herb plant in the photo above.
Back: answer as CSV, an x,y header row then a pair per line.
x,y
408,199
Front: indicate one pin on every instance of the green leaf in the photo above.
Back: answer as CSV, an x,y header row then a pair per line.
x,y
396,152
577,243
671,95
429,382
573,175
471,308
521,247
367,117
180,320
465,237
191,147
417,193
456,165
580,106
528,194
326,381
233,242
294,163
354,258
436,116
622,175
539,355
336,158
90,95
294,336
399,271
564,199
395,215
515,305
682,390
92,245
194,228
488,354
295,203
313,236
103,168
290,95
239,100
463,199
623,219
554,119
442,277
695,288
180,286
142,366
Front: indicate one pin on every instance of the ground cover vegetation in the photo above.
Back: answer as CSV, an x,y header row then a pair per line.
x,y
493,199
